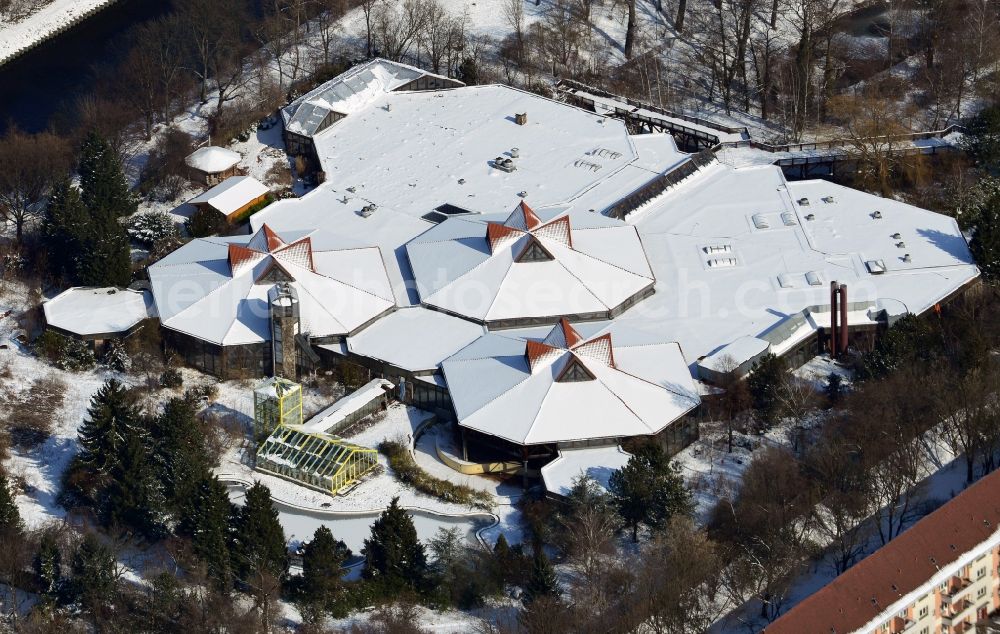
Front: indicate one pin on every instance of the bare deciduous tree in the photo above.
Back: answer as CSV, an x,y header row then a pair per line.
x,y
29,165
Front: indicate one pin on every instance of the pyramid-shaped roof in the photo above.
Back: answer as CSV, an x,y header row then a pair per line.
x,y
530,267
216,289
567,387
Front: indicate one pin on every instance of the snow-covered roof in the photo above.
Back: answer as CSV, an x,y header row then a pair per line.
x,y
738,252
351,91
90,312
212,159
732,251
349,404
216,289
599,463
735,354
569,386
415,338
232,194
529,266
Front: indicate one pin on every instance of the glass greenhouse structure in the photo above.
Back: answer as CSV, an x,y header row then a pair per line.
x,y
316,460
276,402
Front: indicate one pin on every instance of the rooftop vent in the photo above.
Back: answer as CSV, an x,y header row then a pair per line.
x,y
515,152
803,202
828,199
900,245
877,215
760,221
812,277
875,267
504,164
907,258
718,248
368,210
789,219
521,118
896,236
721,263
810,217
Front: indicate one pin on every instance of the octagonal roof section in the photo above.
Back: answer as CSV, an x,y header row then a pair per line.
x,y
531,267
571,385
98,313
216,289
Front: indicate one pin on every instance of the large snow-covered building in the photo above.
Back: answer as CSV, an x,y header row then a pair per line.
x,y
455,226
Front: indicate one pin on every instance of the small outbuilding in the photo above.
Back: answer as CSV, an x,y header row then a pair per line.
x,y
233,197
212,165
98,314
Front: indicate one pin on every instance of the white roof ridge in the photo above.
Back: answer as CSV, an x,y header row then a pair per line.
x,y
607,387
647,381
584,285
391,300
541,404
341,326
612,264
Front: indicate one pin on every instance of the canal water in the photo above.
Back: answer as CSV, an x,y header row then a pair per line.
x,y
39,88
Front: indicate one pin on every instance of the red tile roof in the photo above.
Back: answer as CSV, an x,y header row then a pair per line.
x,y
864,593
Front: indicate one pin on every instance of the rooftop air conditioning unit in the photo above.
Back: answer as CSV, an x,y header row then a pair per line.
x,y
721,263
803,202
718,248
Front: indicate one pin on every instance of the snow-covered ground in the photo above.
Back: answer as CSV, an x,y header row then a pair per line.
x,y
17,37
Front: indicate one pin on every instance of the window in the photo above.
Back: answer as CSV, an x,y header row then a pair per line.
x,y
925,630
923,612
981,573
981,593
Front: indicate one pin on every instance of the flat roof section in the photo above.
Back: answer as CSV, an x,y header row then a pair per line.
x,y
93,313
415,339
599,463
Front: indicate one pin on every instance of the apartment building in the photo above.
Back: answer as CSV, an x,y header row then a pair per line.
x,y
941,576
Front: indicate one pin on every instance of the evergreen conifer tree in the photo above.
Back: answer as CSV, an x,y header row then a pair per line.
x,y
205,520
65,230
985,244
180,457
48,565
10,517
393,554
321,567
764,384
133,496
260,545
106,260
92,572
649,490
112,414
542,580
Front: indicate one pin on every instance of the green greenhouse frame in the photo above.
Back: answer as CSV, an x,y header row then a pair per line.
x,y
319,461
277,402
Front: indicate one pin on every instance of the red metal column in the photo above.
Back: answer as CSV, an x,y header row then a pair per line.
x,y
833,318
843,319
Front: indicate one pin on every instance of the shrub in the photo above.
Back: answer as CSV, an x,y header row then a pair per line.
x,y
154,229
409,472
64,352
31,413
206,222
171,378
